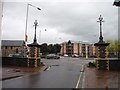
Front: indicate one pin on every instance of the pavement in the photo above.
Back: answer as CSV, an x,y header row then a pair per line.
x,y
13,72
101,78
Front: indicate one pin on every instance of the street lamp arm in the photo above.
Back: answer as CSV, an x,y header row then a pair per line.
x,y
27,19
34,6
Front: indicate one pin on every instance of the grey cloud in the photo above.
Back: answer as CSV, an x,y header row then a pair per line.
x,y
74,20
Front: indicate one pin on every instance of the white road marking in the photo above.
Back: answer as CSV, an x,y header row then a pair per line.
x,y
83,80
48,68
81,72
78,82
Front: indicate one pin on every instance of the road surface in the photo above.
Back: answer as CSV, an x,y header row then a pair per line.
x,y
61,73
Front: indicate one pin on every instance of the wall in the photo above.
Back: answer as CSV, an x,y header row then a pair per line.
x,y
9,61
111,64
9,50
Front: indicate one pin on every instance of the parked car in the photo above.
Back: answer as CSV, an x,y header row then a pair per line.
x,y
17,55
65,55
76,56
52,56
10,55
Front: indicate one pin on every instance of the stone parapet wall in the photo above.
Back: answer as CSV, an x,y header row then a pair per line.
x,y
110,64
10,61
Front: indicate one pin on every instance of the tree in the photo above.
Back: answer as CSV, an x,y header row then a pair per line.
x,y
51,48
44,48
57,48
113,47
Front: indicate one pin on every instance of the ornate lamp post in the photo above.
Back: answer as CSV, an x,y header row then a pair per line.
x,y
34,53
102,60
101,37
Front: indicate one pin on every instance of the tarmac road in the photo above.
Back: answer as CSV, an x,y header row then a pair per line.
x,y
61,73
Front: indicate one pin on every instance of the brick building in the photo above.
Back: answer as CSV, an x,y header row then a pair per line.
x,y
12,47
82,49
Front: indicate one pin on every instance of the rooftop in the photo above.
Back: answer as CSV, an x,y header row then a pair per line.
x,y
12,42
81,42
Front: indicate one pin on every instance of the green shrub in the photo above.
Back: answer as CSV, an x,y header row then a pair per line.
x,y
94,63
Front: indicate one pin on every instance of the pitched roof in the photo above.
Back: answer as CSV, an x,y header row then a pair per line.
x,y
12,42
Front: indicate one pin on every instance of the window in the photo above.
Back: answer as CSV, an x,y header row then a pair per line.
x,y
11,47
17,50
5,47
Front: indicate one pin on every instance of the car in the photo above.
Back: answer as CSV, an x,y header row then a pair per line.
x,y
52,56
76,56
10,55
17,55
65,55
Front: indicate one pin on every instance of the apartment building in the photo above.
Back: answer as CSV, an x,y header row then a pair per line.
x,y
82,49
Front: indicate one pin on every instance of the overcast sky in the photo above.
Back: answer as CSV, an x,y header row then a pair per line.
x,y
63,20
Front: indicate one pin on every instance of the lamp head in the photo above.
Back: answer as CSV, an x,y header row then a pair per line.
x,y
116,3
38,8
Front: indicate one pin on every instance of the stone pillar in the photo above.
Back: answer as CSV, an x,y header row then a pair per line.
x,y
102,60
34,55
102,56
